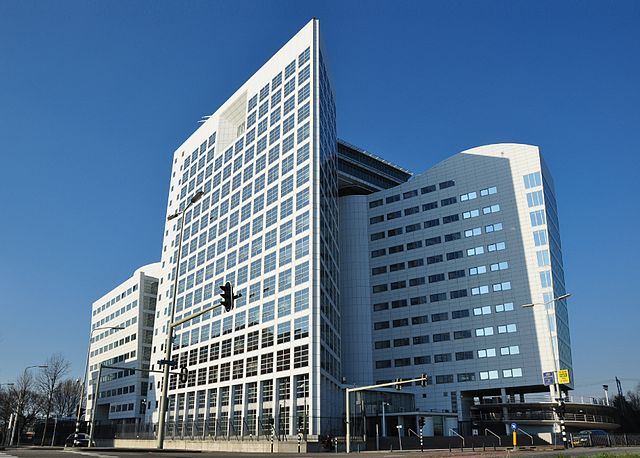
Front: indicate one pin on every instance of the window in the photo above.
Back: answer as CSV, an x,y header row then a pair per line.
x,y
511,350
400,322
383,364
483,332
433,241
394,215
451,237
464,355
470,214
399,303
499,266
504,286
466,377
537,218
401,362
376,219
391,199
422,319
455,314
473,232
444,379
535,199
491,209
378,253
410,194
487,353
453,255
532,180
436,278
441,337
477,270
435,259
381,325
429,206
450,218
488,191
496,246
540,237
380,306
486,310
456,274
442,357
506,307
468,196
381,344
478,290
402,342
376,236
428,189
493,227
489,375
448,201
465,334
475,251
420,340
507,328
379,270
431,223
446,184
442,316
375,203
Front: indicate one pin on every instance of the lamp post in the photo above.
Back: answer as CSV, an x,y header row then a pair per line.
x,y
20,407
169,342
556,369
84,379
5,438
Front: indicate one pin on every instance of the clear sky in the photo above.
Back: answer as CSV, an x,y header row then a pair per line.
x,y
95,96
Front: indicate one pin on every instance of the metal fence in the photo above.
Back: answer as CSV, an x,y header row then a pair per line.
x,y
217,429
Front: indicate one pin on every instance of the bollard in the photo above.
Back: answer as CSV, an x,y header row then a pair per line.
x,y
299,440
271,441
473,447
449,447
484,448
335,444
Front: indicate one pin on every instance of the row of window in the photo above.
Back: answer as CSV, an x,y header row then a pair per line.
x,y
265,363
113,300
412,193
112,345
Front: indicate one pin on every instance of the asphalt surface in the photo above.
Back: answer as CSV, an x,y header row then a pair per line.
x,y
59,453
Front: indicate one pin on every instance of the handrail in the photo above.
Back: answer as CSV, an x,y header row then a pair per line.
x,y
409,431
526,434
452,431
499,438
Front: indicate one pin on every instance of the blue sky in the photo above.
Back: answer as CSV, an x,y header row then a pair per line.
x,y
95,96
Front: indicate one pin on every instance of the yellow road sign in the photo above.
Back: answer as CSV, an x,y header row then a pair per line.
x,y
563,376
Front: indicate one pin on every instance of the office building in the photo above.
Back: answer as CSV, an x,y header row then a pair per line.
x,y
122,323
435,273
268,223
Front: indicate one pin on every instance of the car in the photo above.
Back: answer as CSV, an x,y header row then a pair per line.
x,y
590,438
81,441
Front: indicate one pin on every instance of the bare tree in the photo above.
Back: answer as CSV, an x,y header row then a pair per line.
x,y
66,398
27,404
48,380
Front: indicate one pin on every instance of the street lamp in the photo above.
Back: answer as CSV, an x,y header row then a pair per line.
x,y
20,407
169,342
84,379
556,385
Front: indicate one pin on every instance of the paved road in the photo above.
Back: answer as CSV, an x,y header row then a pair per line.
x,y
48,453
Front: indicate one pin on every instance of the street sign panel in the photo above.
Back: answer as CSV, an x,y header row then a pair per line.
x,y
548,378
514,426
563,376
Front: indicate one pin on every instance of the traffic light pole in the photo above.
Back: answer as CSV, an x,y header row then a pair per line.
x,y
348,391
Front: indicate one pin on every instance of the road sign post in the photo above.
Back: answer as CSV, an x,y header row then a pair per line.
x,y
514,428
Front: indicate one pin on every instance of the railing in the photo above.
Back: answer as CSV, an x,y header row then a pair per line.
x,y
542,398
542,415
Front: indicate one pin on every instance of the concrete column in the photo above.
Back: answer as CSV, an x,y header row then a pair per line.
x,y
505,411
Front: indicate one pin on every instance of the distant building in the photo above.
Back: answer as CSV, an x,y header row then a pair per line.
x,y
131,306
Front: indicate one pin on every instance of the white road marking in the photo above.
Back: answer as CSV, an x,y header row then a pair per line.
x,y
8,456
96,455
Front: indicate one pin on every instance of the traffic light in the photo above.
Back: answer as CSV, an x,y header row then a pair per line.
x,y
421,422
184,374
424,380
227,296
398,384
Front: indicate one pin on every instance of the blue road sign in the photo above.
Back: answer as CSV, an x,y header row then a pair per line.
x,y
514,426
548,378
